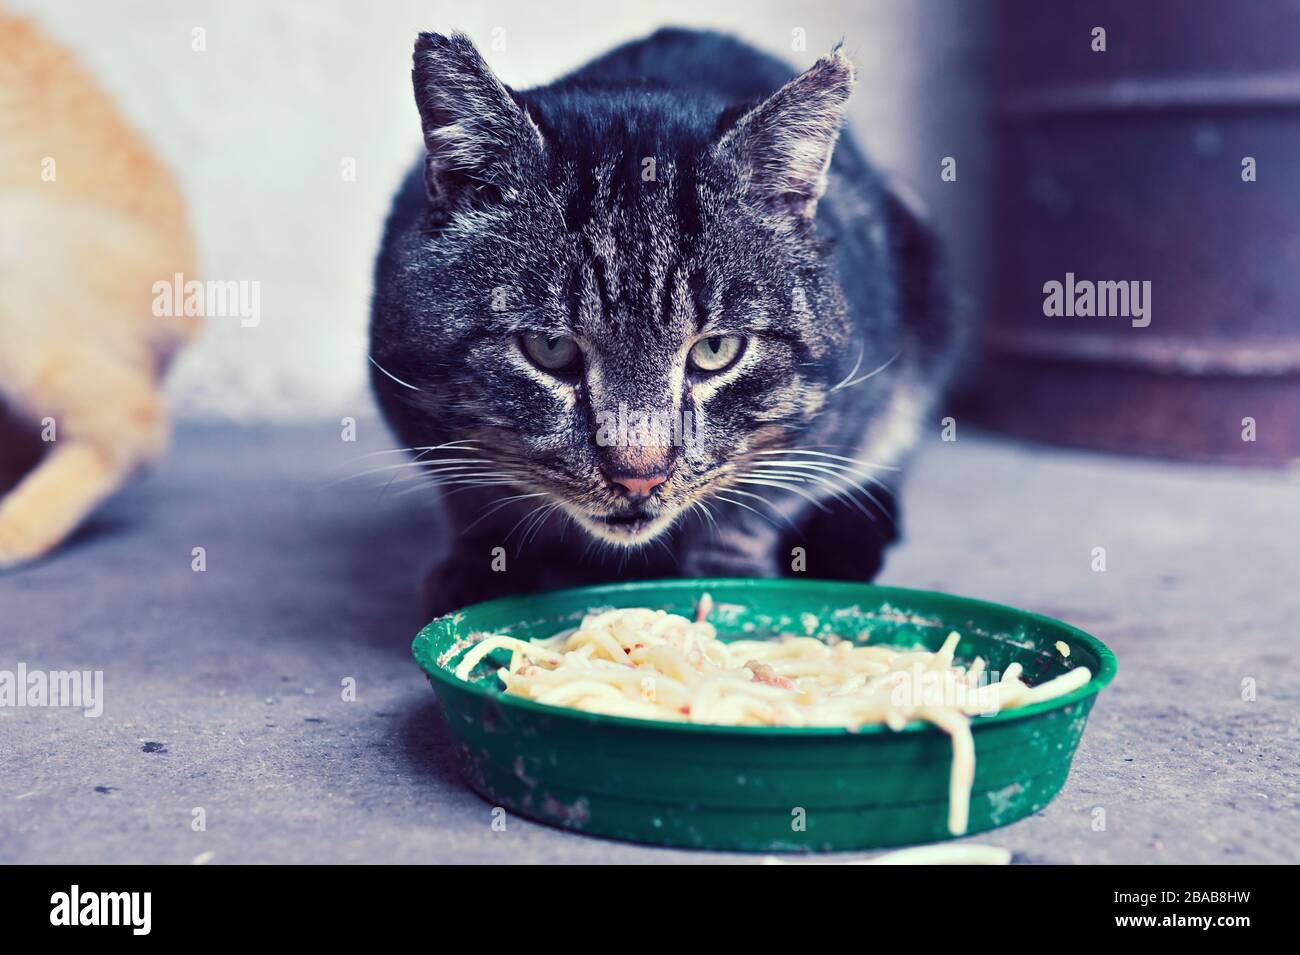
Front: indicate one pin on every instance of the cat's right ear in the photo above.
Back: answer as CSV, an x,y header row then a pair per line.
x,y
783,146
477,136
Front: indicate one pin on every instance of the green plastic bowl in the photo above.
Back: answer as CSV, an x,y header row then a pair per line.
x,y
762,789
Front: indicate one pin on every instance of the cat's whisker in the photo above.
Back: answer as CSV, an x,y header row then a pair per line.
x,y
694,511
537,520
449,446
493,506
862,353
459,477
775,472
840,491
826,454
592,542
510,533
849,383
425,465
391,375
663,544
416,462
546,516
539,517
785,518
397,474
722,497
476,485
835,471
788,487
700,507
820,467
434,475
439,478
831,464
414,487
458,443
398,477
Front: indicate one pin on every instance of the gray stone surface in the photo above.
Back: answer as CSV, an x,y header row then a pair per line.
x,y
236,671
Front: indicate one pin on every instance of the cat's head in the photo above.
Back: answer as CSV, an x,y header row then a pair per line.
x,y
618,296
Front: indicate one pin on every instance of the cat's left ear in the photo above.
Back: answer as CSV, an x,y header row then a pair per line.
x,y
478,137
784,144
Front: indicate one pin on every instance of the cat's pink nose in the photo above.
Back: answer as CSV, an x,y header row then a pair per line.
x,y
639,485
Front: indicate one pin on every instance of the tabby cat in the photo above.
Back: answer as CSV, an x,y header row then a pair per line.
x,y
651,320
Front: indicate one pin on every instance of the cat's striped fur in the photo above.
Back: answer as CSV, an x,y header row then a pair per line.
x,y
679,188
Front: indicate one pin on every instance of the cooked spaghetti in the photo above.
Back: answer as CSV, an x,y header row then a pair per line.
x,y
656,665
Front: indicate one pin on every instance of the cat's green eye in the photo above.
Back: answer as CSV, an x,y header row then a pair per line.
x,y
716,353
549,352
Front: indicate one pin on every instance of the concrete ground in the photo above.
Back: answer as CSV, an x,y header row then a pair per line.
x,y
225,737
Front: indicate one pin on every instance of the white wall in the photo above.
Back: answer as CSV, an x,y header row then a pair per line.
x,y
258,125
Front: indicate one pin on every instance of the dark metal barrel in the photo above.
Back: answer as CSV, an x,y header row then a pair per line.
x,y
1127,165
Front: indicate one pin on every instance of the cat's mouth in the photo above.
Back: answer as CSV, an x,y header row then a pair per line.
x,y
627,528
625,520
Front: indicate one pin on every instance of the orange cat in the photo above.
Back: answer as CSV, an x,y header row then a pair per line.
x,y
89,220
